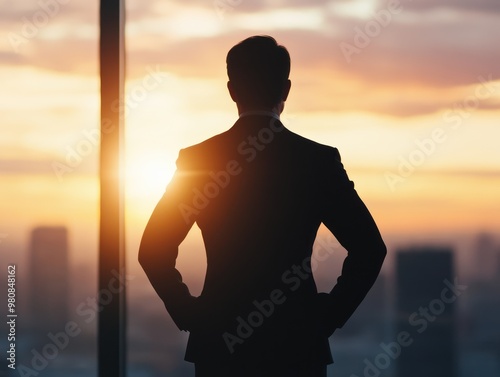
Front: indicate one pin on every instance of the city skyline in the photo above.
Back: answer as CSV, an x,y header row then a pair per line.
x,y
375,321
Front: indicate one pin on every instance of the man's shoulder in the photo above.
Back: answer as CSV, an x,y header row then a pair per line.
x,y
204,150
224,145
209,143
322,150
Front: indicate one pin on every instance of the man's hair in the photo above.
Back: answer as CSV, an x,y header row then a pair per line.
x,y
258,68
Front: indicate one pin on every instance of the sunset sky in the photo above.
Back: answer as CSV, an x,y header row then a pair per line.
x,y
408,91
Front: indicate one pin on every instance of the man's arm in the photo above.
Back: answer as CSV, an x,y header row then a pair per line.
x,y
347,217
166,229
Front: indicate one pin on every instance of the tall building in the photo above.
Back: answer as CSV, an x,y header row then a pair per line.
x,y
426,306
481,333
486,258
49,279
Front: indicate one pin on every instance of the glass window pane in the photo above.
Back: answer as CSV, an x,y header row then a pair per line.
x,y
409,95
49,149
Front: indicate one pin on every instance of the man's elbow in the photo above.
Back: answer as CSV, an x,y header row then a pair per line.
x,y
145,255
380,251
143,261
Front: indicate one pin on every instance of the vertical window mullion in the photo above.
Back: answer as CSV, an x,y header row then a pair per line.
x,y
111,327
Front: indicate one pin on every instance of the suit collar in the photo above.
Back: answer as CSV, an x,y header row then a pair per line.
x,y
260,112
256,121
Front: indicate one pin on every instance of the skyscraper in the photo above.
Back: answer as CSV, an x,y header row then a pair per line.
x,y
486,258
49,279
425,304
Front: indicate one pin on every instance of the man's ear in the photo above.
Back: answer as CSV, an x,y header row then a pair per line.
x,y
286,90
232,92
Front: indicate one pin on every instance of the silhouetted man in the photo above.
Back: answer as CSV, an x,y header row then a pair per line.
x,y
259,192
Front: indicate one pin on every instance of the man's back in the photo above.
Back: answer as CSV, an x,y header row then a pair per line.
x,y
260,223
259,193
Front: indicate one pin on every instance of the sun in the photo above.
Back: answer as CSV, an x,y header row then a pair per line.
x,y
147,175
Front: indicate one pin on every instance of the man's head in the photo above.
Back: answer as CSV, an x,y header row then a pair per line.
x,y
258,70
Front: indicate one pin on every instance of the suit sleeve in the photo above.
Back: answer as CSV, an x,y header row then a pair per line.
x,y
169,224
347,217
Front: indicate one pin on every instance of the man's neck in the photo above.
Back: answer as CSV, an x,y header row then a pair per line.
x,y
260,112
277,109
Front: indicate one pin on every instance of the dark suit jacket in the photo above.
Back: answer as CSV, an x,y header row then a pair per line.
x,y
259,192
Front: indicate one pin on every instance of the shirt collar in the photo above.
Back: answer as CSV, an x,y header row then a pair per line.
x,y
260,112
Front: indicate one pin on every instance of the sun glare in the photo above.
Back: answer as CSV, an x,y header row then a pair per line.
x,y
147,176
